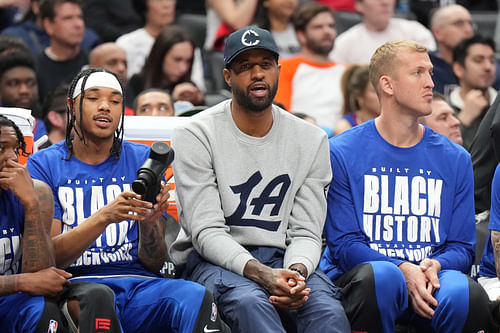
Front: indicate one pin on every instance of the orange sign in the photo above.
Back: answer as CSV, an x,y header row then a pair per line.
x,y
147,130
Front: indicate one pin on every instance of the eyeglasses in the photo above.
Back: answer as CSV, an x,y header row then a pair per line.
x,y
462,23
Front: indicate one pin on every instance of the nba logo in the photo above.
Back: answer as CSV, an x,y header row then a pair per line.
x,y
213,315
52,326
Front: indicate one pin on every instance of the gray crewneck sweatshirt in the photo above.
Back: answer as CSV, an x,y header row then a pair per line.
x,y
234,191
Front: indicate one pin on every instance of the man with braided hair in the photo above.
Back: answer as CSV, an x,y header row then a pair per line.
x,y
105,233
25,223
30,286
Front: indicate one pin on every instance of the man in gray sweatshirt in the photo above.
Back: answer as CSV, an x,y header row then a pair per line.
x,y
250,182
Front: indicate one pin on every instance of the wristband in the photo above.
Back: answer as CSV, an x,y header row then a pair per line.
x,y
298,270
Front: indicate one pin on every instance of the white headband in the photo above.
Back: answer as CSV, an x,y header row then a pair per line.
x,y
98,79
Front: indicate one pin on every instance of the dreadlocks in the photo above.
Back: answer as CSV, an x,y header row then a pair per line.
x,y
6,122
70,126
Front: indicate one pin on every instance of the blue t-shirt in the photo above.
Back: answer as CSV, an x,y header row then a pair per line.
x,y
487,267
11,228
80,190
398,204
351,119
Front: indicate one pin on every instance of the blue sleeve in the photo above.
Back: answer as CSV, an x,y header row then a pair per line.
x,y
458,251
347,243
495,201
38,171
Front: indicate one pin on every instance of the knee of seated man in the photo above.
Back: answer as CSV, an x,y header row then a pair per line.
x,y
454,286
100,293
252,297
381,273
51,317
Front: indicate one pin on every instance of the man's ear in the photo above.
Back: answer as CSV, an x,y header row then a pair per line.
x,y
227,76
458,69
358,6
385,84
47,26
55,119
301,37
436,31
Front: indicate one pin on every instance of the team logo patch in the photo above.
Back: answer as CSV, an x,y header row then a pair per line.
x,y
250,38
52,326
213,315
102,324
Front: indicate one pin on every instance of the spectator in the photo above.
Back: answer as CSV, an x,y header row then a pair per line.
x,y
360,99
11,11
260,262
54,116
105,233
442,119
10,43
168,65
450,25
153,102
19,86
357,44
276,16
137,44
30,285
18,82
400,221
423,8
64,58
109,22
474,65
31,30
315,27
110,56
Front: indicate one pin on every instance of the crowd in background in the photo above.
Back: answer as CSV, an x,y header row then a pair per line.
x,y
177,46
169,56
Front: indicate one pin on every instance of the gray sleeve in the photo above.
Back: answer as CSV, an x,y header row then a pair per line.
x,y
309,212
200,210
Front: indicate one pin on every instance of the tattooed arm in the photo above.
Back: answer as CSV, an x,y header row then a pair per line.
x,y
152,246
495,242
47,282
37,200
37,249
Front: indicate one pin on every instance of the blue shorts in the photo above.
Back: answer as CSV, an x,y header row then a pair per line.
x,y
20,312
154,304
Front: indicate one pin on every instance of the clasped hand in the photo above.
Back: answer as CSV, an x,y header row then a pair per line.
x,y
421,282
288,289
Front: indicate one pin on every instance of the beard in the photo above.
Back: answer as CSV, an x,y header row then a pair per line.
x,y
252,103
319,48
